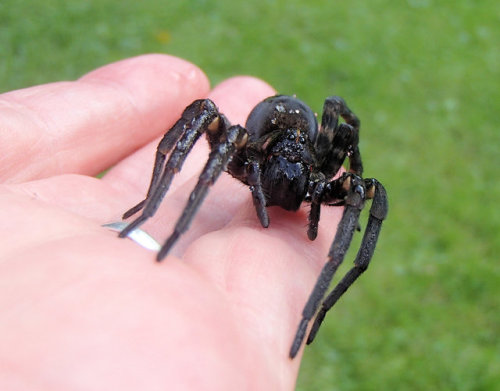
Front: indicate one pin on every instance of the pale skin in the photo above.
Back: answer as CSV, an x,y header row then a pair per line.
x,y
82,309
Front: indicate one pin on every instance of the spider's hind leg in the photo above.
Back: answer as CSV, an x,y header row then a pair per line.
x,y
197,118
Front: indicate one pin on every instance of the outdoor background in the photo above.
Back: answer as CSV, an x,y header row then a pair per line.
x,y
423,76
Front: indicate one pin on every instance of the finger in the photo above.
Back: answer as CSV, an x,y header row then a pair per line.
x,y
87,125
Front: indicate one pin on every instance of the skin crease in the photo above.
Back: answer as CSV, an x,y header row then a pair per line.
x,y
82,309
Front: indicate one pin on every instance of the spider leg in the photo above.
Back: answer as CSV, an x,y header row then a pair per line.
x,y
166,144
351,119
337,141
314,213
259,199
196,119
378,213
354,200
217,162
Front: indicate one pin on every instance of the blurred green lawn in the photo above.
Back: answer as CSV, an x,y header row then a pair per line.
x,y
423,75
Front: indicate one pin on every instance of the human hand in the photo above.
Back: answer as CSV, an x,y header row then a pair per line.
x,y
83,309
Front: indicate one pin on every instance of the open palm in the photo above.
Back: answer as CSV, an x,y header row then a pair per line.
x,y
83,309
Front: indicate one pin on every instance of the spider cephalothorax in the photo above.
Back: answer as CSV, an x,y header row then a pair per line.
x,y
285,159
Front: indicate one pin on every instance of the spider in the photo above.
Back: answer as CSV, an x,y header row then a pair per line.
x,y
285,159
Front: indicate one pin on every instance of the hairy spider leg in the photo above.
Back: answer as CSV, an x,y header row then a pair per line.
x,y
259,199
342,139
354,202
378,212
335,142
217,162
335,106
314,212
164,147
199,116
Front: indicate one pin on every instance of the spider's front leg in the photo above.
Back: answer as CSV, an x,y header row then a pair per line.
x,y
224,146
378,213
354,190
197,118
336,142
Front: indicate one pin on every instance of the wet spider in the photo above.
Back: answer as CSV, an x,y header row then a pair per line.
x,y
285,159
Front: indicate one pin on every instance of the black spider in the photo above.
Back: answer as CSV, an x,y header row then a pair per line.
x,y
285,159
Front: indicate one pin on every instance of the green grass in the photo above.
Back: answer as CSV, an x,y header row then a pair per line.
x,y
424,78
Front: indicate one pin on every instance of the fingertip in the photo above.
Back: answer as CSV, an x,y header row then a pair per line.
x,y
162,71
155,89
